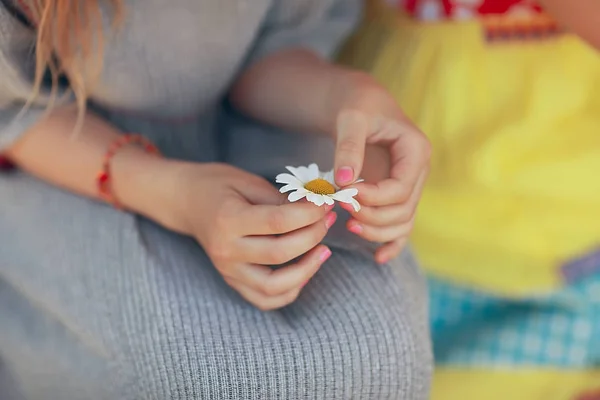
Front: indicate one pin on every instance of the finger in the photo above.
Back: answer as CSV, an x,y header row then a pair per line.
x,y
379,234
410,151
419,187
391,191
259,191
277,250
352,132
392,214
279,219
390,250
261,301
383,193
275,282
381,216
410,155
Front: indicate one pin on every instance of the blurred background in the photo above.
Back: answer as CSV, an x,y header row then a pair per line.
x,y
509,227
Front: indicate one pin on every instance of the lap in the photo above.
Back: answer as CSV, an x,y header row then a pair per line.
x,y
95,295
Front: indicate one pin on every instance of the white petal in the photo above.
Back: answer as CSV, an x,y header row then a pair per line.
x,y
288,179
345,194
328,200
288,188
293,170
343,199
301,173
355,205
328,176
297,195
316,199
313,170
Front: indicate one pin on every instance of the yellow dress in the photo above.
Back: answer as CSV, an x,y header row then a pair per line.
x,y
514,190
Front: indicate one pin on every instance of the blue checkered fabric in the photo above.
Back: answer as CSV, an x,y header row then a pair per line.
x,y
561,329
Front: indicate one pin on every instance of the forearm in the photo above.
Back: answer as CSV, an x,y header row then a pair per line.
x,y
51,151
582,17
294,90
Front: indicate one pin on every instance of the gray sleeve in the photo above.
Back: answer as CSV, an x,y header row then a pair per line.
x,y
17,67
319,25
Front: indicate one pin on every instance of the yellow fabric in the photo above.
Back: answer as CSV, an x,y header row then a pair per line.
x,y
456,384
514,189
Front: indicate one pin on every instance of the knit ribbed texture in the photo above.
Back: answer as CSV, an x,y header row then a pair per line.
x,y
98,304
115,307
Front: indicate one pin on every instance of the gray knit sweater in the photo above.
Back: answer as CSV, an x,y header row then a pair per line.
x,y
99,304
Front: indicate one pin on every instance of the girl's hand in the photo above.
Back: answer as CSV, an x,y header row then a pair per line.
x,y
241,223
369,116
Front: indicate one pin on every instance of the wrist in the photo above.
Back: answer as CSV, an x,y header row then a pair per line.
x,y
147,185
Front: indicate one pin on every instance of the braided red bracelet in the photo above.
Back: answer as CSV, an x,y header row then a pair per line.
x,y
103,180
5,164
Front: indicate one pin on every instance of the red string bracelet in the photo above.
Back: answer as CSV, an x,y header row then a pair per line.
x,y
103,180
5,164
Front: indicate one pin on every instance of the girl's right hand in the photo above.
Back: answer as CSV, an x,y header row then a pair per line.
x,y
246,228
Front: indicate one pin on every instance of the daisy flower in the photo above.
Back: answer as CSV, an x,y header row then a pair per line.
x,y
318,187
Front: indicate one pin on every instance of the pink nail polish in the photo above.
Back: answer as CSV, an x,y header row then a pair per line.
x,y
344,175
347,207
355,228
383,260
329,207
330,219
325,254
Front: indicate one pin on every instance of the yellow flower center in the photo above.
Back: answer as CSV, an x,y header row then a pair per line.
x,y
320,186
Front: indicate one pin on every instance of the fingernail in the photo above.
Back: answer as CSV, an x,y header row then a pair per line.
x,y
383,259
329,207
346,206
325,254
344,175
330,219
305,283
356,228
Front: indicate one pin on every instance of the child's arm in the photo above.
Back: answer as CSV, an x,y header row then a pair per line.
x,y
293,89
298,90
580,16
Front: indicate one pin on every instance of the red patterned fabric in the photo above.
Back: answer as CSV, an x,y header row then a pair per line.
x,y
464,9
505,6
502,20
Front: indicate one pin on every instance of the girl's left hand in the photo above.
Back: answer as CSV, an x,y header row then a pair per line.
x,y
370,116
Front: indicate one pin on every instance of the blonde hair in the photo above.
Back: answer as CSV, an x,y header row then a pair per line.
x,y
69,42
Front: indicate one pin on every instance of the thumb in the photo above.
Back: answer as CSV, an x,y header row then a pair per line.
x,y
260,191
352,131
